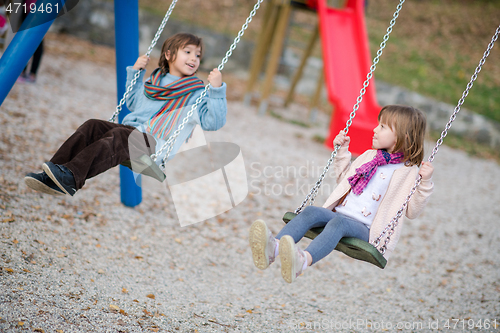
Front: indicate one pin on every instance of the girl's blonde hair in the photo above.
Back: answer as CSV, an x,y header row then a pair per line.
x,y
173,44
409,125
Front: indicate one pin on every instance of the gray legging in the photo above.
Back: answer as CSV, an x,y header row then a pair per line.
x,y
336,226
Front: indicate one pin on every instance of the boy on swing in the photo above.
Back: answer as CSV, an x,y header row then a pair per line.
x,y
156,108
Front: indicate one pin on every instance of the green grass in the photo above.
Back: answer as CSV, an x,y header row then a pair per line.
x,y
442,79
470,147
318,138
273,114
433,50
435,47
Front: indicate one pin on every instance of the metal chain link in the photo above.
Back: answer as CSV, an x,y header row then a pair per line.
x,y
389,229
314,191
138,73
171,140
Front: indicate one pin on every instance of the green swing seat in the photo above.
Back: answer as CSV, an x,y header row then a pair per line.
x,y
146,166
353,247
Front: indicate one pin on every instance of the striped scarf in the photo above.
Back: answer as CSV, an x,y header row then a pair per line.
x,y
176,95
365,172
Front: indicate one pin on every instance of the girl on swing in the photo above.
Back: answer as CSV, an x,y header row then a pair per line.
x,y
156,107
369,193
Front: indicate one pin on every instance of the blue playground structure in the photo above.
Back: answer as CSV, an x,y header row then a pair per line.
x,y
31,33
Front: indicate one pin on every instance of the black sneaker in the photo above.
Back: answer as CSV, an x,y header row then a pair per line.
x,y
62,177
42,183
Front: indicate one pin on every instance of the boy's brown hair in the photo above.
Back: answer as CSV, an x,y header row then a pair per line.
x,y
409,125
173,44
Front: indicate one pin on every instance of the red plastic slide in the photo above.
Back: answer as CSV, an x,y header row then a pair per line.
x,y
346,58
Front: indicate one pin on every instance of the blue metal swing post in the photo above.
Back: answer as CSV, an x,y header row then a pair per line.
x,y
24,44
127,52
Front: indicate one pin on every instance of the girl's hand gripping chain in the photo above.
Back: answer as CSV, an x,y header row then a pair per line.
x,y
341,139
426,170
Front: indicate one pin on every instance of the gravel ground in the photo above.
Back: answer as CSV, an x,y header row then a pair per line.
x,y
89,264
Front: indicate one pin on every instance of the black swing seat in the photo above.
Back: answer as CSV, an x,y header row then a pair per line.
x,y
145,166
353,247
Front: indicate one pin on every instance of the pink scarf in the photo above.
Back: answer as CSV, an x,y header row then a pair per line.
x,y
365,172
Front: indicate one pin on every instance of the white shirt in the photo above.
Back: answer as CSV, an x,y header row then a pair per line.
x,y
363,207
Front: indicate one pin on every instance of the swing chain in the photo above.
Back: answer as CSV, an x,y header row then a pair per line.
x,y
138,73
170,142
391,226
373,66
240,34
161,27
389,229
314,191
125,95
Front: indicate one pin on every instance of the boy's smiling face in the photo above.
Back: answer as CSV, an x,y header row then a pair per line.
x,y
185,62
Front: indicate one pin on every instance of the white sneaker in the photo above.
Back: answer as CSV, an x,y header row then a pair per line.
x,y
292,259
262,244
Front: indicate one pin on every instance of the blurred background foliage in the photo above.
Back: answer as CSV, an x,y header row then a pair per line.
x,y
433,50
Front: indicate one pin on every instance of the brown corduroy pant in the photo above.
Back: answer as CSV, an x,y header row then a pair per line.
x,y
98,145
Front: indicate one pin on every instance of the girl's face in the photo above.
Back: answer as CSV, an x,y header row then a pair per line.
x,y
384,137
186,61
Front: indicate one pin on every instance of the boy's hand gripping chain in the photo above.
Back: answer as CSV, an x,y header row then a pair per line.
x,y
389,229
138,73
170,142
314,191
